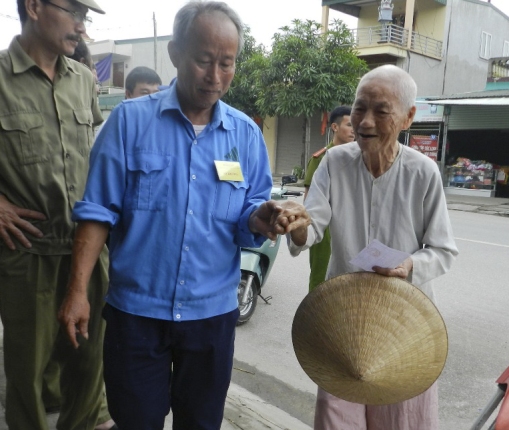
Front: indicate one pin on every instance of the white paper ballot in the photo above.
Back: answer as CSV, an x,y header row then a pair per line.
x,y
378,254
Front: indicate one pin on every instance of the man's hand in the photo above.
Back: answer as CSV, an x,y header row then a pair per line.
x,y
13,224
402,271
74,315
278,217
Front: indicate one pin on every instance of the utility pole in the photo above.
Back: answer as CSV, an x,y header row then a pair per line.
x,y
155,40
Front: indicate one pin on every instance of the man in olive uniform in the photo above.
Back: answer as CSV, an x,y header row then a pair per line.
x,y
47,112
319,254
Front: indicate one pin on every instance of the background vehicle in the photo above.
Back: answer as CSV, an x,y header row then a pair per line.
x,y
256,263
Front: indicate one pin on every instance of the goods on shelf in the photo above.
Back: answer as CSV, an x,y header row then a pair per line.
x,y
471,174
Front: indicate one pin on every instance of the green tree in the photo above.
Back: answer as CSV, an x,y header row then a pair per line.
x,y
242,94
309,71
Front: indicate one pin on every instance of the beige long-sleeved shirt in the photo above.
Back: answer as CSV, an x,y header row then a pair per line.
x,y
405,209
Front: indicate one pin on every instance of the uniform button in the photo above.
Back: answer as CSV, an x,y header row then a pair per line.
x,y
191,212
193,177
179,305
186,248
177,316
195,142
67,155
71,188
182,282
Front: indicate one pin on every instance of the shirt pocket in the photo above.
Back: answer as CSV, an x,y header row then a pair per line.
x,y
229,200
148,181
84,130
23,134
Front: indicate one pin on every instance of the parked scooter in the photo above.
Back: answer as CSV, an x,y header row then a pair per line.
x,y
256,263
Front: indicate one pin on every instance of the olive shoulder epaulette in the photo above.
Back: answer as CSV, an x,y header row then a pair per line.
x,y
320,152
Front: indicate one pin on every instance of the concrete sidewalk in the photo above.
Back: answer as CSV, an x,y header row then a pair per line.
x,y
243,410
485,205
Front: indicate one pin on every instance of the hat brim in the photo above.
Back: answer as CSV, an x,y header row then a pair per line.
x,y
92,5
370,339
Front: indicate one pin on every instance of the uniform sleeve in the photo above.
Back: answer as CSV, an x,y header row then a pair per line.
x,y
259,189
310,170
318,207
439,248
106,180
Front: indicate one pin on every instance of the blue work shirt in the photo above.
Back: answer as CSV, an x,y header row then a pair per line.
x,y
176,229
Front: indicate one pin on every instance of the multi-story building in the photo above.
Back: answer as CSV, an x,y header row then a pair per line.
x,y
116,58
446,45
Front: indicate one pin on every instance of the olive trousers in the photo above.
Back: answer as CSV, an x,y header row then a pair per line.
x,y
32,288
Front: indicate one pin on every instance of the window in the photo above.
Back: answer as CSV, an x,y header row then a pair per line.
x,y
485,51
505,50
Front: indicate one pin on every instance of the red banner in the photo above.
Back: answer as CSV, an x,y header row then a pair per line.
x,y
427,145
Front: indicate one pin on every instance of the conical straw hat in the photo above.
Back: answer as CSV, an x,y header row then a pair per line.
x,y
370,339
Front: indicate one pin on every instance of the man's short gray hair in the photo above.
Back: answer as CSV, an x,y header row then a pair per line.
x,y
182,26
404,85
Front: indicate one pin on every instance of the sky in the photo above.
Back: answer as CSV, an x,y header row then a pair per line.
x,y
135,20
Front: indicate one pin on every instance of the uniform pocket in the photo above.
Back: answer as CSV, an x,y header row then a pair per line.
x,y
84,130
229,200
23,134
147,181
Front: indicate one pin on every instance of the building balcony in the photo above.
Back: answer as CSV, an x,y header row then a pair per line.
x,y
393,40
498,74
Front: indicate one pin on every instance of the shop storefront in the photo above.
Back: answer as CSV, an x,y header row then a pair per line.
x,y
474,143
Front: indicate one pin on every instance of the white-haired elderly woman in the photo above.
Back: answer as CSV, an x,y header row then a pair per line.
x,y
377,188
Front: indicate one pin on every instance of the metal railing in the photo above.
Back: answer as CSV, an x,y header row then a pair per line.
x,y
395,35
369,36
426,45
499,69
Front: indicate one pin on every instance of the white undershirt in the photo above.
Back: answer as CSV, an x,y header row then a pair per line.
x,y
199,128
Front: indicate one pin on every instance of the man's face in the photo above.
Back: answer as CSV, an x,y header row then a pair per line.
x,y
142,89
377,116
57,28
343,131
206,66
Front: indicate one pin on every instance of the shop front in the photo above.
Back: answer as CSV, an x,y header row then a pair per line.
x,y
474,143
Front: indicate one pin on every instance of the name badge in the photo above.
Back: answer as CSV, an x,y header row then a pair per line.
x,y
229,171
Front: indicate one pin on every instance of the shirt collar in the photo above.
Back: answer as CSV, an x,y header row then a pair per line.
x,y
169,101
21,61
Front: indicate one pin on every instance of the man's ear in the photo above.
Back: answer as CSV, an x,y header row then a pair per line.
x,y
32,7
174,53
128,94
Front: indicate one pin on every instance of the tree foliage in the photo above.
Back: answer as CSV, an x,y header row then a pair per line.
x,y
243,91
308,71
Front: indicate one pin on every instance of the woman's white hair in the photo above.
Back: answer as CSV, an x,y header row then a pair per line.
x,y
404,85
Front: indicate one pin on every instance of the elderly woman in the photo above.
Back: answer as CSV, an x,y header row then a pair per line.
x,y
376,188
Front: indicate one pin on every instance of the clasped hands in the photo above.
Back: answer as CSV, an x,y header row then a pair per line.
x,y
279,217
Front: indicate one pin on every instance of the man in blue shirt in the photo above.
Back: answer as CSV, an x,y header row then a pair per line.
x,y
180,181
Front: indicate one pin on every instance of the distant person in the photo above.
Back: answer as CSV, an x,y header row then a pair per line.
x,y
377,188
181,182
141,81
319,254
49,106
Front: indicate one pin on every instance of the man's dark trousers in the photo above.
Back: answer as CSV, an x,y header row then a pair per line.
x,y
150,364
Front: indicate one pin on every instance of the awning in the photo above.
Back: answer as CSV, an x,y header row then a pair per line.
x,y
489,101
